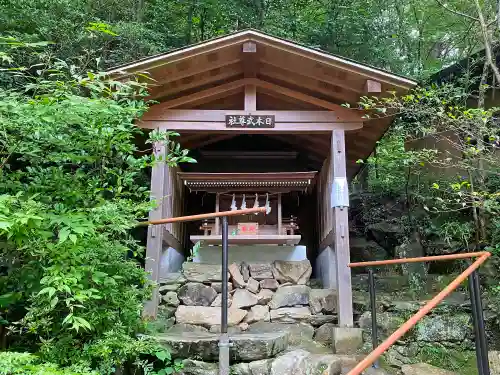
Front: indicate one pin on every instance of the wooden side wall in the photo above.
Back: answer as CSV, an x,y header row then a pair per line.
x,y
325,213
173,204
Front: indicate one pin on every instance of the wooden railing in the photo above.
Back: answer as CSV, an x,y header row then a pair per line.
x,y
470,272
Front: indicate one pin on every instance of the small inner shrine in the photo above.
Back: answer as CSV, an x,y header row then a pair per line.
x,y
233,191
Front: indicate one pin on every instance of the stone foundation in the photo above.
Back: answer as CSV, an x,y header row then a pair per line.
x,y
277,292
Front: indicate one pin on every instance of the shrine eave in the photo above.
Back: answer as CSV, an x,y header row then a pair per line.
x,y
281,181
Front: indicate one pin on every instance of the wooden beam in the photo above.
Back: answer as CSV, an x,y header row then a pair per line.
x,y
342,113
210,93
341,225
213,75
250,98
220,127
329,88
159,112
154,247
373,86
186,68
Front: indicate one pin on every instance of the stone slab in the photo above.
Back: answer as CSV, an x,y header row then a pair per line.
x,y
207,316
246,346
347,340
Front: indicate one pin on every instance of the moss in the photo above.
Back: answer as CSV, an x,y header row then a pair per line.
x,y
462,362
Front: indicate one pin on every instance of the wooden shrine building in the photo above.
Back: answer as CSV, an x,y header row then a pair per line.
x,y
264,119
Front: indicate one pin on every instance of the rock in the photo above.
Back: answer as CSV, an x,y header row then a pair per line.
x,y
362,250
264,296
218,301
159,325
165,312
218,287
412,249
171,299
271,284
168,288
386,234
173,278
324,334
290,314
245,272
298,332
251,368
293,272
494,360
243,298
261,271
179,328
196,294
346,340
320,319
323,364
230,330
291,363
290,296
425,369
301,362
207,316
245,346
444,328
399,355
192,367
258,313
234,271
253,285
387,323
202,273
323,301
243,326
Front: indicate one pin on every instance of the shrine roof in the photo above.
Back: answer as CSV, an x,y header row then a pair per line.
x,y
212,76
276,182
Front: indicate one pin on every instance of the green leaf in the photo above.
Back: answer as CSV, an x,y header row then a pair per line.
x,y
64,234
163,355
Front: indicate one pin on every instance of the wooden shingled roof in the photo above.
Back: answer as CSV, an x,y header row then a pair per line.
x,y
289,76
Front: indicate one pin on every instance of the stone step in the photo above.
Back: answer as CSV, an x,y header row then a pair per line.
x,y
295,362
245,346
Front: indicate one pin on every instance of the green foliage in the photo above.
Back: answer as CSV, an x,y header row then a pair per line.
x,y
12,363
413,38
73,186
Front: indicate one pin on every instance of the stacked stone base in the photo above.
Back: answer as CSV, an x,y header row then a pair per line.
x,y
278,292
278,323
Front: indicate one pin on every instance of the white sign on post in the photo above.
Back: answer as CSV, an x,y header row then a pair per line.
x,y
340,192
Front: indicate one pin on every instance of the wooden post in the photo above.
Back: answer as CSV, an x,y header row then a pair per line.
x,y
280,217
340,217
217,220
250,98
154,245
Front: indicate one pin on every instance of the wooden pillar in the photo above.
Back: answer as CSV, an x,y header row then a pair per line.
x,y
154,245
250,98
280,216
217,220
341,228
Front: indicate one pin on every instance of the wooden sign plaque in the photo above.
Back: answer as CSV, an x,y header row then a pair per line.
x,y
249,121
248,228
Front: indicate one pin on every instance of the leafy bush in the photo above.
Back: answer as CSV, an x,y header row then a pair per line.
x,y
73,186
12,363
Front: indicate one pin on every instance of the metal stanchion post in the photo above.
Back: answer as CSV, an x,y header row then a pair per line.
x,y
224,338
479,326
371,286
